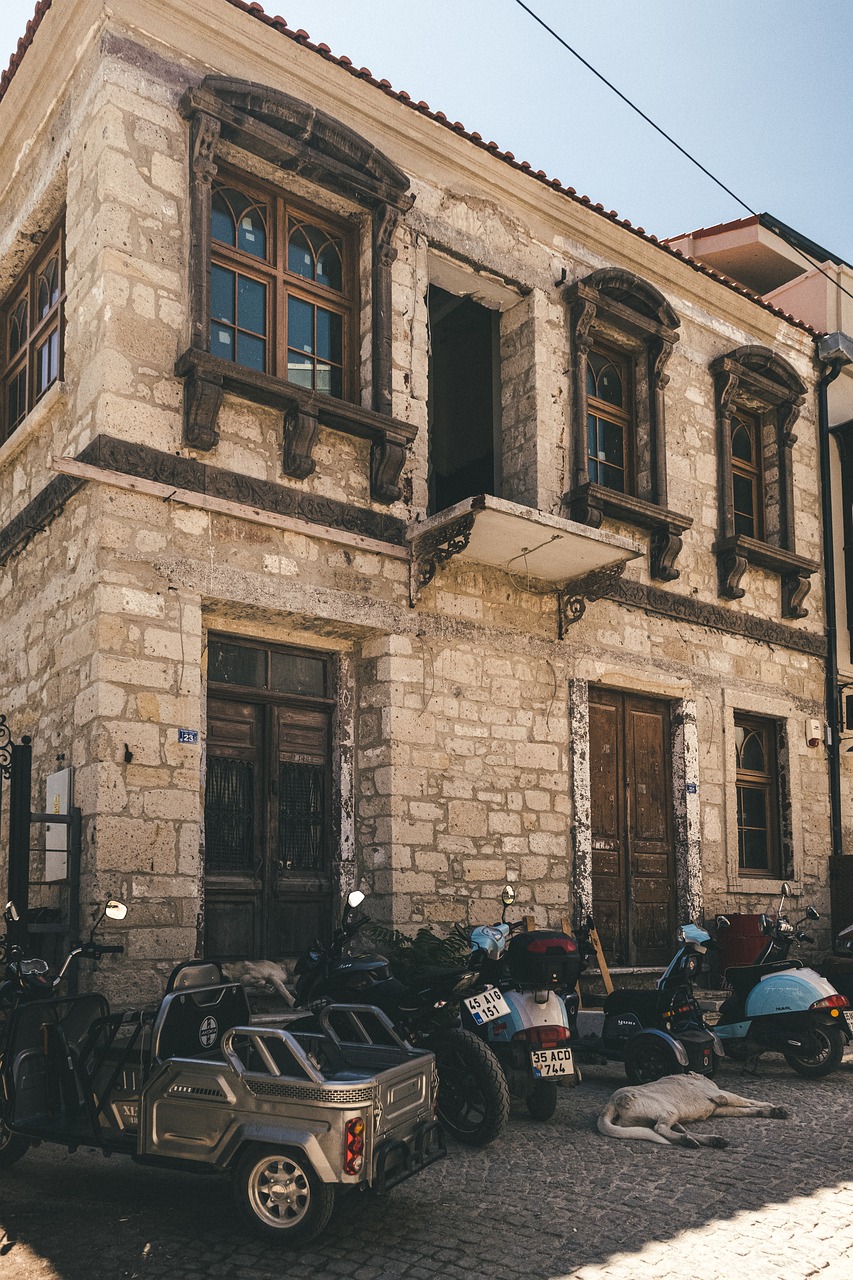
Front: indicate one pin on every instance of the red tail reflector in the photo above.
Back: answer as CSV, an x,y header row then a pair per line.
x,y
831,1002
544,1037
354,1146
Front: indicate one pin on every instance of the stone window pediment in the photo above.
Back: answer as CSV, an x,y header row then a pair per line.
x,y
618,438
322,387
758,397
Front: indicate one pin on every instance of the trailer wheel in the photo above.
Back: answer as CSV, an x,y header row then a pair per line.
x,y
648,1059
12,1147
281,1196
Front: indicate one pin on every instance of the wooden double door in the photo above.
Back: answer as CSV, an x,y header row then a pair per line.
x,y
268,885
633,845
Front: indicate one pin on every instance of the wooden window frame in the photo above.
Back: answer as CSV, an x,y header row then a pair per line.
x,y
768,782
25,359
754,382
752,472
616,310
229,116
625,419
283,284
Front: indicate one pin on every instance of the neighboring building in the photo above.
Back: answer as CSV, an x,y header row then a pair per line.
x,y
374,509
815,286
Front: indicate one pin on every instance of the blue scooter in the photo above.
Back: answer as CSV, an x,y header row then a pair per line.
x,y
520,1016
777,1006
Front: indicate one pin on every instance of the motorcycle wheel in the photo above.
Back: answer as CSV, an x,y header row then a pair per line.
x,y
829,1046
280,1195
473,1095
12,1147
542,1100
649,1060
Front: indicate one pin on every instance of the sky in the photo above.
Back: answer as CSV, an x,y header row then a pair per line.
x,y
759,91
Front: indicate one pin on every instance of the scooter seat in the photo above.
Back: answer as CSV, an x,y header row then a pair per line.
x,y
644,1005
742,978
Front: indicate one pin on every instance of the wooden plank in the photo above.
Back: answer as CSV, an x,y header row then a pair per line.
x,y
224,507
602,963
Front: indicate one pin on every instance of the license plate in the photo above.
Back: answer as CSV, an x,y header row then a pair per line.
x,y
487,1006
551,1062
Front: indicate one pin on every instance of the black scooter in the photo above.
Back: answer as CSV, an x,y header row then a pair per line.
x,y
655,1033
473,1098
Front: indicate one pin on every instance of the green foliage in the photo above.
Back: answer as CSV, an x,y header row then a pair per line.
x,y
409,956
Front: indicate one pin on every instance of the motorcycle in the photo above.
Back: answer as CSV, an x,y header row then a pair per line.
x,y
521,1017
473,1098
294,1114
654,1033
777,1006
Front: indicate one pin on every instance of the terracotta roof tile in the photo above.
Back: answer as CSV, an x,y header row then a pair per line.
x,y
384,86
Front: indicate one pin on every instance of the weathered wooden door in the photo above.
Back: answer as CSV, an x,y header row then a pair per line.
x,y
268,873
633,853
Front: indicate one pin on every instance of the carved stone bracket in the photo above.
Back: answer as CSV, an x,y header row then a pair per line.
x,y
731,567
303,412
301,428
736,553
202,402
666,543
573,598
795,588
387,457
434,549
589,503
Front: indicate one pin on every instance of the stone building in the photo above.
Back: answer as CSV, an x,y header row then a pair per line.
x,y
375,509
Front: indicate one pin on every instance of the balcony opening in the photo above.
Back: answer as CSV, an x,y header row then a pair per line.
x,y
464,457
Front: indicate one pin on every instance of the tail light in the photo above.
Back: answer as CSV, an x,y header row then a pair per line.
x,y
833,1003
544,1037
354,1146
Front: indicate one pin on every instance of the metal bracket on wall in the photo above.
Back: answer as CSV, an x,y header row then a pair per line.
x,y
432,550
5,749
573,598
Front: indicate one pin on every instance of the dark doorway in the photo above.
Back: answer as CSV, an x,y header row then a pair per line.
x,y
462,399
633,849
268,874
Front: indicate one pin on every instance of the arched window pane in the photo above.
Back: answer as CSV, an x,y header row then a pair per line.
x,y
752,755
329,269
610,386
223,221
742,442
18,327
48,288
252,232
300,254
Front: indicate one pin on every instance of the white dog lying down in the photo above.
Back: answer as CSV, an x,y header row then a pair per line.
x,y
655,1112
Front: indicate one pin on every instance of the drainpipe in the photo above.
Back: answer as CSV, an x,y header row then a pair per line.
x,y
834,351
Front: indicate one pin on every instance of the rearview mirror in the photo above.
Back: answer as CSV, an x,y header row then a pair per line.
x,y
723,922
508,895
812,913
11,913
355,899
115,910
786,889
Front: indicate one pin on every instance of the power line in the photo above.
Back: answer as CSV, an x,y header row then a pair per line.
x,y
677,145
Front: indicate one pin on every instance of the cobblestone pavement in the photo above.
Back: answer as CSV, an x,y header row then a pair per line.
x,y
546,1202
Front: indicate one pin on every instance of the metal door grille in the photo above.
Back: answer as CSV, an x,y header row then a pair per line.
x,y
301,814
229,814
